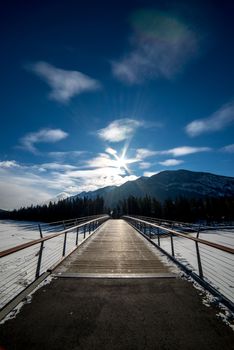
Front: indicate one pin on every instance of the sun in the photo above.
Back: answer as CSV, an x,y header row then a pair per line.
x,y
121,162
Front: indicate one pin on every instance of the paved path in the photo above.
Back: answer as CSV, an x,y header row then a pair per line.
x,y
116,313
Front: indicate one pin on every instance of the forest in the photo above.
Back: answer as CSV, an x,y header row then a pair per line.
x,y
181,209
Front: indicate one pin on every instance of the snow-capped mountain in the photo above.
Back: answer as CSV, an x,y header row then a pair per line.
x,y
167,184
59,197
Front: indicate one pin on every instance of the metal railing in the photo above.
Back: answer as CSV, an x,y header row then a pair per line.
x,y
22,265
210,264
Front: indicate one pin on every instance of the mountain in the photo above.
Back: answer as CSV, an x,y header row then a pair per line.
x,y
59,197
167,184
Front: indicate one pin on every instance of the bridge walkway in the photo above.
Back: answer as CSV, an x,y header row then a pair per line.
x,y
85,308
116,250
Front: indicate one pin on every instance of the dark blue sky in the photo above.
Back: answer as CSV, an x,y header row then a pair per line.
x,y
84,82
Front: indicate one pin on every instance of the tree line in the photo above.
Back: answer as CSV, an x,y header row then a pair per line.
x,y
62,210
181,209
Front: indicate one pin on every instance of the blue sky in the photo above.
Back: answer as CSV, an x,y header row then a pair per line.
x,y
100,93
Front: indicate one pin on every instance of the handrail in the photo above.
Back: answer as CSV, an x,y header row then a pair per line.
x,y
212,270
34,265
199,240
181,223
40,240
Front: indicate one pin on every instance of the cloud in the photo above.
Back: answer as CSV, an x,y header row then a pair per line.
x,y
144,165
228,148
160,47
37,183
8,164
119,130
184,150
142,153
56,166
64,84
217,121
42,136
171,162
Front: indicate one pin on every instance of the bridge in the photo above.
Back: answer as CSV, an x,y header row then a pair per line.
x,y
112,284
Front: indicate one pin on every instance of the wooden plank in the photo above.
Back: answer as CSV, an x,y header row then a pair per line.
x,y
116,249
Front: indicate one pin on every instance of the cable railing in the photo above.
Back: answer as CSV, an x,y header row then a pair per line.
x,y
209,263
187,226
22,265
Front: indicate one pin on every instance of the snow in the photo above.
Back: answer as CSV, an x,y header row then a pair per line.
x,y
19,269
217,265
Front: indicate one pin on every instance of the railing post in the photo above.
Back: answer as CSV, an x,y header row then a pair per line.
x,y
77,235
40,230
64,243
89,228
84,231
158,236
39,260
172,246
199,261
149,231
198,231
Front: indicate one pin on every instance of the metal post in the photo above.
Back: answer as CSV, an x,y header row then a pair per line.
x,y
64,243
172,246
77,235
40,230
89,228
199,261
158,238
84,230
198,231
39,260
149,231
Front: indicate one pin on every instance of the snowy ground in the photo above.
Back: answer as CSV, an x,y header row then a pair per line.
x,y
218,266
19,269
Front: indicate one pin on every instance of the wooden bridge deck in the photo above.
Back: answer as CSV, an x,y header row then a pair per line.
x,y
117,250
116,313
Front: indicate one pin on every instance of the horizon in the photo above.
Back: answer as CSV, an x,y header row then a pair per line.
x,y
95,96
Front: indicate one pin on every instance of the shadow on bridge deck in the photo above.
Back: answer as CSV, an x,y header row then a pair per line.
x,y
116,313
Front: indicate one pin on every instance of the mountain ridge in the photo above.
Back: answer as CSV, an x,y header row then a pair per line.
x,y
167,184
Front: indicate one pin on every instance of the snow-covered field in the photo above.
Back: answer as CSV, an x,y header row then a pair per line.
x,y
18,270
217,266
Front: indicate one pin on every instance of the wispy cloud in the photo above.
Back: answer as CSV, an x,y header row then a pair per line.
x,y
144,165
217,121
228,148
8,164
64,84
160,46
42,136
32,184
171,162
184,150
119,130
142,153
